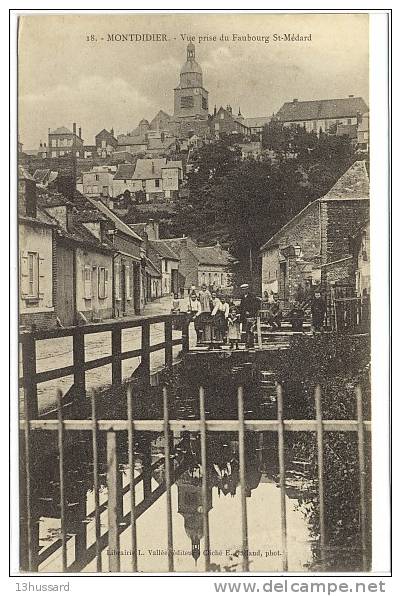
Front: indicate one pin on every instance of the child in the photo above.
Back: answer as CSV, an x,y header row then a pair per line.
x,y
234,332
296,316
176,304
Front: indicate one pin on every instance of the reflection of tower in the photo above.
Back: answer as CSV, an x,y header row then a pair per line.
x,y
190,507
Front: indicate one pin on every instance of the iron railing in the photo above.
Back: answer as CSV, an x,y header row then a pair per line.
x,y
165,426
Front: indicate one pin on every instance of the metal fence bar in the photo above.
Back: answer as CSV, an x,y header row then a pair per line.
x,y
96,481
320,468
205,499
63,503
113,498
167,460
131,465
32,559
362,475
281,462
241,442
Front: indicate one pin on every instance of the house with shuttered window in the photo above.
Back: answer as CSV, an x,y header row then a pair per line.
x,y
36,305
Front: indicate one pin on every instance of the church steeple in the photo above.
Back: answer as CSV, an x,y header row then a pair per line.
x,y
190,52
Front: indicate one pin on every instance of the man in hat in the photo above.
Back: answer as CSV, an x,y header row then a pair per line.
x,y
248,311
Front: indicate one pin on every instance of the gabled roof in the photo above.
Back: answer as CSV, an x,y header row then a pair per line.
x,y
320,109
210,255
62,130
351,186
164,250
125,171
173,164
119,224
148,169
257,122
354,184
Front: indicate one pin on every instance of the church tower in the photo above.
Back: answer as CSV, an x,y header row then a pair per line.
x,y
190,97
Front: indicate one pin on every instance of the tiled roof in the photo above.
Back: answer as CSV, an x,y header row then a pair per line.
x,y
131,140
61,131
147,169
349,130
354,184
23,173
164,250
119,224
125,171
173,164
46,198
40,175
256,122
210,255
154,144
320,109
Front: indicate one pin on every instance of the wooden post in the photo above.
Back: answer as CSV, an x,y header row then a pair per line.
x,y
28,344
147,467
259,331
78,348
113,502
168,339
185,335
145,348
116,372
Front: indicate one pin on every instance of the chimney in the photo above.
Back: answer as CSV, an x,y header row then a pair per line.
x,y
295,100
80,132
153,167
351,95
74,128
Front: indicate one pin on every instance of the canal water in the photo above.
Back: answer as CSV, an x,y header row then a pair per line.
x,y
343,551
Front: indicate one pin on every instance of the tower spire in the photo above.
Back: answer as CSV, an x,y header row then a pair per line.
x,y
190,52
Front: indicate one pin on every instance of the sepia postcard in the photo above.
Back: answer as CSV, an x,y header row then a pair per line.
x,y
194,293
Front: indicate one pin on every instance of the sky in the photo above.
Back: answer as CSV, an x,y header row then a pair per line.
x,y
64,78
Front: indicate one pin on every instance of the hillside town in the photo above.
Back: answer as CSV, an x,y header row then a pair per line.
x,y
97,221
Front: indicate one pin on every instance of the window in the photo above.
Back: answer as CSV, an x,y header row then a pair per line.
x,y
87,279
349,121
31,273
187,101
204,103
96,177
103,144
103,282
157,183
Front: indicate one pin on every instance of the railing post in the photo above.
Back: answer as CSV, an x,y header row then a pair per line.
x,y
131,465
205,497
362,476
320,467
96,487
116,372
145,348
168,340
185,335
167,466
147,467
78,348
113,502
28,344
242,475
63,501
281,461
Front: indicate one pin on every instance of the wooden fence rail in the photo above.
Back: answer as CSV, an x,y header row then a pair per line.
x,y
117,522
31,378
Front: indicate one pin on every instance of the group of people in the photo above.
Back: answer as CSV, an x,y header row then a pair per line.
x,y
218,320
273,315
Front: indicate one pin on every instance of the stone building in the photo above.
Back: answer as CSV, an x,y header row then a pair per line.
x,y
63,142
315,246
105,142
322,113
224,122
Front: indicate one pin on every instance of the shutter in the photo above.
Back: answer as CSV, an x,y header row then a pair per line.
x,y
128,292
117,281
106,283
88,283
24,281
41,275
